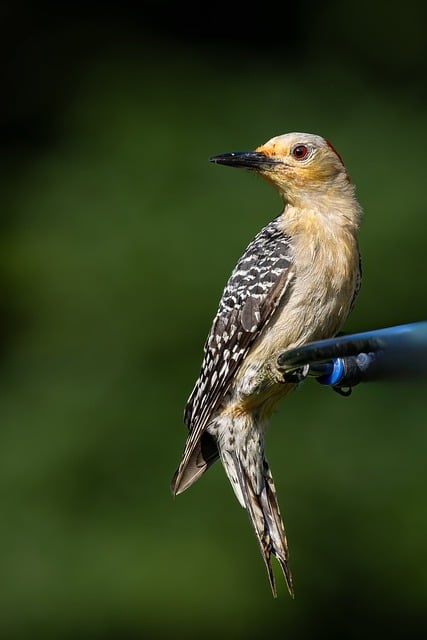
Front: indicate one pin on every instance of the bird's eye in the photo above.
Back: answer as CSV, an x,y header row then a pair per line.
x,y
300,152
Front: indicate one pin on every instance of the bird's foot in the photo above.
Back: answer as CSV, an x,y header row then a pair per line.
x,y
295,376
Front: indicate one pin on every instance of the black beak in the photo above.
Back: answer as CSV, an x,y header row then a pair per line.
x,y
248,159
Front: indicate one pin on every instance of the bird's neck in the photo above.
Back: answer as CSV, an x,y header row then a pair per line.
x,y
337,214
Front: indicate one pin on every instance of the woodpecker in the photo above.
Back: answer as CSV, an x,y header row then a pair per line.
x,y
296,282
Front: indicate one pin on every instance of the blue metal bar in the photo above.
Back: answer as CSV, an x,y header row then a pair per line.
x,y
398,352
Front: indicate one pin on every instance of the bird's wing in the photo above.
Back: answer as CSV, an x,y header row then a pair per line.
x,y
255,288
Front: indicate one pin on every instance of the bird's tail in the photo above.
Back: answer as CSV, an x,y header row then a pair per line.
x,y
264,515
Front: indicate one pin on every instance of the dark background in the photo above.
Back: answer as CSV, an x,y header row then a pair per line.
x,y
117,237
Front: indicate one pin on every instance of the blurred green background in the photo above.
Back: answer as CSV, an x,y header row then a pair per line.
x,y
117,238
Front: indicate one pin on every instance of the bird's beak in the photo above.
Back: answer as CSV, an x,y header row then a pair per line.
x,y
247,159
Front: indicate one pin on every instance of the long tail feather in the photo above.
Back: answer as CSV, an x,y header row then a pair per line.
x,y
264,515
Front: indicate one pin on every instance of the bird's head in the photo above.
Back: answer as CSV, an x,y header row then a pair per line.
x,y
299,165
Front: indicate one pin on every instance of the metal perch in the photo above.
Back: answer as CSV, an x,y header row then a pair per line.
x,y
393,353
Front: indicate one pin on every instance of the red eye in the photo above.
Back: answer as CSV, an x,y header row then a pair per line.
x,y
300,152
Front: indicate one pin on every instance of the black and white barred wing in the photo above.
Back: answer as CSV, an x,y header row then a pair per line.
x,y
255,288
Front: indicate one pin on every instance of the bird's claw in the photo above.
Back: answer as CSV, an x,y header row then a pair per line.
x,y
296,376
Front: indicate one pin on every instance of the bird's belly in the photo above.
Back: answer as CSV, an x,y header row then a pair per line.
x,y
316,309
308,314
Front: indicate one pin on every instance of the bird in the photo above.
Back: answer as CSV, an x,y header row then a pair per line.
x,y
296,282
